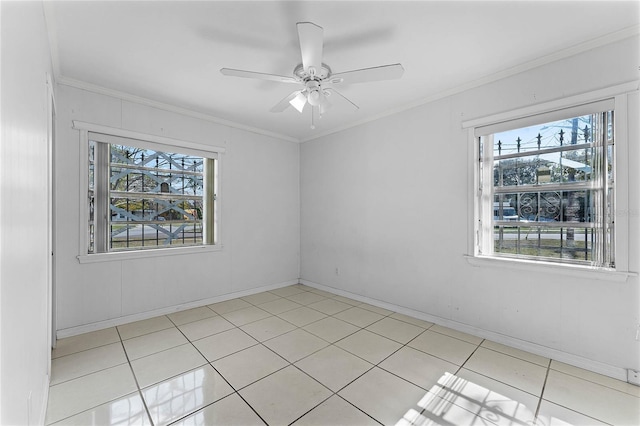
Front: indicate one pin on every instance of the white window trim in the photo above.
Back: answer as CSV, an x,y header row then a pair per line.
x,y
170,143
621,273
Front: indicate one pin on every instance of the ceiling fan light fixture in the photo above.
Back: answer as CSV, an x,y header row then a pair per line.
x,y
314,97
298,102
316,77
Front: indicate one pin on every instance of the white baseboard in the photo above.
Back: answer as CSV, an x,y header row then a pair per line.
x,y
547,352
99,325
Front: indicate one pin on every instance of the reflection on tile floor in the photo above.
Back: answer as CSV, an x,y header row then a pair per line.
x,y
297,355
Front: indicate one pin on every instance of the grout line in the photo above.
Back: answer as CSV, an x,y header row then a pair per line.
x,y
546,376
358,408
210,363
329,344
144,402
472,353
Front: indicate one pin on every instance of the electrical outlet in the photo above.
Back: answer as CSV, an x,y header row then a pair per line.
x,y
337,271
633,377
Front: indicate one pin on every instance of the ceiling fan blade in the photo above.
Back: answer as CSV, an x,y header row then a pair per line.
x,y
284,103
324,105
310,36
259,75
332,90
384,72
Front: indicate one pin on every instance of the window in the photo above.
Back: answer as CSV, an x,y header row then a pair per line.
x,y
546,187
144,195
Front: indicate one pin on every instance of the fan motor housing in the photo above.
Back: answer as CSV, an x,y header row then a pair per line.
x,y
322,74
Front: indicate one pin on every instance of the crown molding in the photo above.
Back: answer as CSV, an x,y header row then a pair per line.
x,y
83,85
556,56
544,60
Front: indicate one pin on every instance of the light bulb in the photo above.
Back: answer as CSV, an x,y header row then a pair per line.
x,y
314,97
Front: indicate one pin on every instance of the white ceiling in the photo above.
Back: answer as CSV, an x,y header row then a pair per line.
x,y
171,52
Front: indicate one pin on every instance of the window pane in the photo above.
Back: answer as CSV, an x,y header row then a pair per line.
x,y
548,242
155,199
552,190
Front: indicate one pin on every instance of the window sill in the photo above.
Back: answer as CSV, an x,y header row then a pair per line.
x,y
141,254
549,267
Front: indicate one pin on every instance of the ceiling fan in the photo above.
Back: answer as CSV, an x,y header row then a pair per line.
x,y
316,77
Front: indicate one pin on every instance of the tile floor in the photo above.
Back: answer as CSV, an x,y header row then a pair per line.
x,y
302,356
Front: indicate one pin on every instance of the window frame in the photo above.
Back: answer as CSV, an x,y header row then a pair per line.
x,y
115,135
538,114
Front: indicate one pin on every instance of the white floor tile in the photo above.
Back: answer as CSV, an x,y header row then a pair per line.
x,y
417,367
331,329
438,412
225,343
329,306
369,346
515,372
321,292
249,365
229,411
306,298
163,365
279,305
551,414
421,383
191,315
302,316
358,317
151,343
411,320
591,399
347,300
205,327
85,341
393,329
183,394
333,367
336,411
287,291
229,306
81,363
138,328
383,396
267,328
78,395
124,411
596,378
376,309
295,345
457,334
443,346
527,356
492,400
284,396
244,316
258,298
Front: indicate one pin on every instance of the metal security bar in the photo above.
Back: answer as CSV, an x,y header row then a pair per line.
x,y
146,198
551,187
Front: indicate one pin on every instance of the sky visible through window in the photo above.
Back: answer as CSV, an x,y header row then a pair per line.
x,y
550,136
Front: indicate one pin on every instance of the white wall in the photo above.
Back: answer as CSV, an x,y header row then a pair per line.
x,y
24,351
259,201
384,215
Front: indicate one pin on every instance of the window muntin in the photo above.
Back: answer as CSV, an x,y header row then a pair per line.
x,y
141,196
546,190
